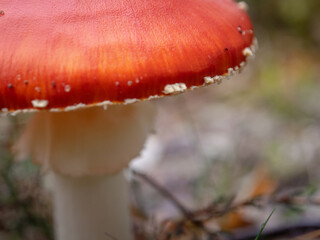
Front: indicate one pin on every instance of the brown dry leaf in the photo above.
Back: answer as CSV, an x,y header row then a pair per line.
x,y
259,183
262,182
179,230
232,220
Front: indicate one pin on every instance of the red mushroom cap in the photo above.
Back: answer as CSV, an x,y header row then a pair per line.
x,y
60,53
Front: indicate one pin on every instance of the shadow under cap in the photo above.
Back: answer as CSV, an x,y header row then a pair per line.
x,y
87,142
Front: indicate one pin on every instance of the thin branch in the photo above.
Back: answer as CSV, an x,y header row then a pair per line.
x,y
164,192
189,216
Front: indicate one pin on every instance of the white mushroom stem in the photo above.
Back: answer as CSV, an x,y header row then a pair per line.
x,y
87,149
91,208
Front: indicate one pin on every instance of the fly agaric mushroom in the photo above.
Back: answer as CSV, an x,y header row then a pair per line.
x,y
66,58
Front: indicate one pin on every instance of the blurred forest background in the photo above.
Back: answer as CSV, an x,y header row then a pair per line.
x,y
223,157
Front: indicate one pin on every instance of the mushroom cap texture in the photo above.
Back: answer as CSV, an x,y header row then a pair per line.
x,y
60,53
